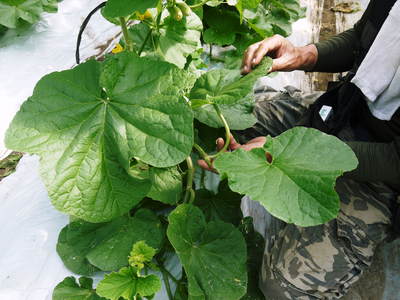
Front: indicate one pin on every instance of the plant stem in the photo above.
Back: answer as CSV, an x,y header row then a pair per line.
x,y
168,273
202,178
227,132
166,281
189,194
145,41
199,4
128,42
203,154
151,25
158,20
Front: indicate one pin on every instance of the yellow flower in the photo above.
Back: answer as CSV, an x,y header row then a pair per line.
x,y
146,15
117,49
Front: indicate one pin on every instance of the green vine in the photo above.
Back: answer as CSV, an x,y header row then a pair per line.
x,y
128,41
227,132
189,193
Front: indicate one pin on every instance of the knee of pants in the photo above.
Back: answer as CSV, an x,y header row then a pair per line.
x,y
310,263
322,262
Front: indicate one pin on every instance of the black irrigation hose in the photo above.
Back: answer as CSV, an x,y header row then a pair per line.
x,y
82,29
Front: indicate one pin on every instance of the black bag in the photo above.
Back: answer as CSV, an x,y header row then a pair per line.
x,y
345,99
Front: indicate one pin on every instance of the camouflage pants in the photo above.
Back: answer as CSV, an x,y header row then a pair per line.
x,y
319,262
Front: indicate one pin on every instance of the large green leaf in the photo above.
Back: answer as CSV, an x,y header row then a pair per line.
x,y
12,11
231,91
212,36
238,115
50,6
230,24
178,39
221,33
127,284
246,4
298,185
213,254
3,30
166,185
123,8
260,20
86,247
89,122
138,34
223,206
69,289
174,41
223,86
276,18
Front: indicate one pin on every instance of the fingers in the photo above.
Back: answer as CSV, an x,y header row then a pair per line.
x,y
259,54
257,142
205,166
220,143
202,163
256,52
248,57
233,145
260,139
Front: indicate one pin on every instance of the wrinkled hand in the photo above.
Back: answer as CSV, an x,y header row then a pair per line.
x,y
257,142
286,57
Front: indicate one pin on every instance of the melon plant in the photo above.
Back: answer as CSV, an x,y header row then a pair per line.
x,y
14,13
118,140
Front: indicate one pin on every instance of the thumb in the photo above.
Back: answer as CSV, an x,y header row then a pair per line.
x,y
220,143
233,145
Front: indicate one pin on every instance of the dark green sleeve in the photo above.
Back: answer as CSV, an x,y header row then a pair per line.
x,y
337,54
377,162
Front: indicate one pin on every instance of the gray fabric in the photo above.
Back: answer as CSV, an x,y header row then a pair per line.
x,y
378,76
269,106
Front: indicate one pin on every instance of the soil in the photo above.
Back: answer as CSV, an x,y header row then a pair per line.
x,y
8,164
347,7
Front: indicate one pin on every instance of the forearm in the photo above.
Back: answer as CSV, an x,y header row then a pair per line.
x,y
334,55
307,57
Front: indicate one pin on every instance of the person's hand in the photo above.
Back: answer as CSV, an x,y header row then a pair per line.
x,y
257,142
286,57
